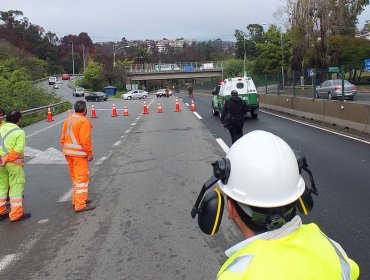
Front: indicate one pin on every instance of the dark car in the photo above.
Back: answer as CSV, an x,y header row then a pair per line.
x,y
96,96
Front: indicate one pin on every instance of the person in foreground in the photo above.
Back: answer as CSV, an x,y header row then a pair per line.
x,y
262,199
12,178
77,148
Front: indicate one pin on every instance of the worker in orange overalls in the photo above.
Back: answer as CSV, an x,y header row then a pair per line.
x,y
77,148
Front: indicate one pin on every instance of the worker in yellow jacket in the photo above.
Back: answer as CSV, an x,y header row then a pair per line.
x,y
12,178
77,148
262,183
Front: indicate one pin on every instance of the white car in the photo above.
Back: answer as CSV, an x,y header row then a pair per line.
x,y
52,80
135,94
78,91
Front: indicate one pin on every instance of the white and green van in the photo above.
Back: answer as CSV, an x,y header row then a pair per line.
x,y
246,89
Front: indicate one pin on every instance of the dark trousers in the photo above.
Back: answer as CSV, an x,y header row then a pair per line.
x,y
236,131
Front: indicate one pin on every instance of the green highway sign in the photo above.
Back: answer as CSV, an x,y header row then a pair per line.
x,y
333,69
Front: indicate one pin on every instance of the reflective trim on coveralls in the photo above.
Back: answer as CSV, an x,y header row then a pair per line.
x,y
346,268
20,159
240,264
74,145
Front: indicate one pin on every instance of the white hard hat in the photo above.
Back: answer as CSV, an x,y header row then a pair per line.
x,y
264,171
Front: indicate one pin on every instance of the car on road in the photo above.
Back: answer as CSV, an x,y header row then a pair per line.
x,y
162,92
78,91
246,89
332,89
96,96
135,94
52,80
65,77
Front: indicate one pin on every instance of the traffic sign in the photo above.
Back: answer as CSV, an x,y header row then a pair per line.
x,y
310,72
333,69
367,64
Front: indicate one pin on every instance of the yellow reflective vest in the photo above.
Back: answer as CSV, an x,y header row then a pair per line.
x,y
306,254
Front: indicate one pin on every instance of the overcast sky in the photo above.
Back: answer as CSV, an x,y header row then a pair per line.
x,y
111,20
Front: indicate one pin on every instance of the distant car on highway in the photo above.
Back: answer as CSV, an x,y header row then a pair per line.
x,y
188,68
65,77
162,92
96,96
135,94
52,80
332,89
78,91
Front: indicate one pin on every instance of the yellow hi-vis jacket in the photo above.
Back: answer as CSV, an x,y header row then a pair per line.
x,y
12,143
305,254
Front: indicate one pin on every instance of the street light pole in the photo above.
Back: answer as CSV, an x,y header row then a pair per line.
x,y
83,56
73,64
282,59
114,54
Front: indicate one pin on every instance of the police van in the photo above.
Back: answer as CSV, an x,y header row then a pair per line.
x,y
246,89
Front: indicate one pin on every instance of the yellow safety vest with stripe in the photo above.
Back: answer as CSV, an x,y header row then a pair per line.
x,y
71,147
12,138
306,254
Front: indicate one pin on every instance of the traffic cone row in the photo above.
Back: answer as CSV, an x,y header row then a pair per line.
x,y
192,106
159,108
93,112
177,106
114,111
145,109
125,111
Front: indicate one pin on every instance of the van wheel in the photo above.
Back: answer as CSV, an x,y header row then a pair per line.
x,y
254,115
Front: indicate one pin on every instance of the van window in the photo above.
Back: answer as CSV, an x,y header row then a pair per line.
x,y
240,85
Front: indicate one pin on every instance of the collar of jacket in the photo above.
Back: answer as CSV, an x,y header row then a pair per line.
x,y
285,230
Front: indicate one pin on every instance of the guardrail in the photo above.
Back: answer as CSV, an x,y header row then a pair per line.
x,y
43,108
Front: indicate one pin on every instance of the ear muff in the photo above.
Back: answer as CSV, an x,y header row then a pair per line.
x,y
210,212
221,169
305,202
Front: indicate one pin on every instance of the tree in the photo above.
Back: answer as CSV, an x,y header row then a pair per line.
x,y
93,77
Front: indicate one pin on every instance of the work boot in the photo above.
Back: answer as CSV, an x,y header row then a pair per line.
x,y
87,208
3,217
25,216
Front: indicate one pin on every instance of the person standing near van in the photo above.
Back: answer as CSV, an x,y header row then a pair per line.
x,y
233,113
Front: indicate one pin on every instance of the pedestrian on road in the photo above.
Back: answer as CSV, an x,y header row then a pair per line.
x,y
77,149
12,178
190,92
262,197
232,115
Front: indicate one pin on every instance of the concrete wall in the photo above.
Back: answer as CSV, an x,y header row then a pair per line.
x,y
347,114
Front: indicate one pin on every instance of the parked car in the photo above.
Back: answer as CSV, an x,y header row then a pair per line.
x,y
78,91
52,80
96,96
135,94
332,89
65,77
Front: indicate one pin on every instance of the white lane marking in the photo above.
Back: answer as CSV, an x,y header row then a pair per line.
x,y
198,116
128,130
45,128
318,127
222,144
100,161
117,143
7,260
187,104
138,118
122,136
133,123
43,221
65,196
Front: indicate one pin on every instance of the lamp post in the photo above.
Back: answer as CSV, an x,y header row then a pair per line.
x,y
114,54
282,59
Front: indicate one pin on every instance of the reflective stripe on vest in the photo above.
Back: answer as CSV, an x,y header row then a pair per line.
x,y
74,143
20,159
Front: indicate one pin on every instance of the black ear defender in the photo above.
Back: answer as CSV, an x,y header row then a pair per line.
x,y
210,206
305,201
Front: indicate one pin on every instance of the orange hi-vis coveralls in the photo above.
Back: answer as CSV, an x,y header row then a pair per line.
x,y
77,147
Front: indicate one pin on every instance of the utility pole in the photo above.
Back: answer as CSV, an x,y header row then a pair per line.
x,y
83,56
282,60
73,64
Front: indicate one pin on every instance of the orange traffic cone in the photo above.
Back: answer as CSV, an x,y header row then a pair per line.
x,y
159,108
93,111
114,111
125,112
50,115
192,106
177,108
145,111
